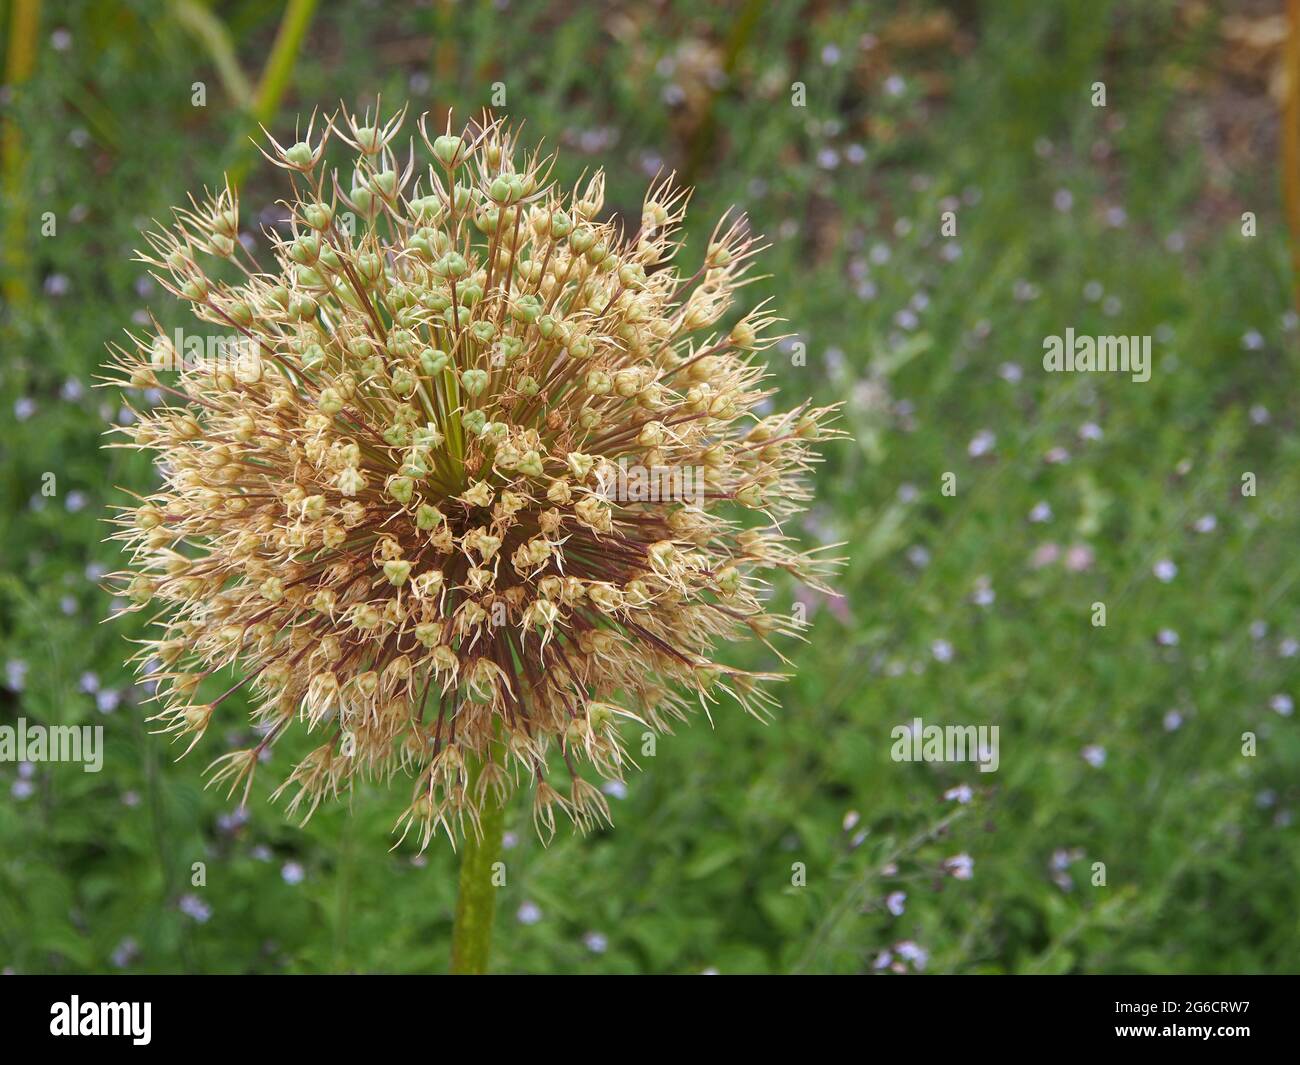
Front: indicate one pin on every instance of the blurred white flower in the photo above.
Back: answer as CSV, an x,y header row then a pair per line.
x,y
981,443
959,866
961,793
193,906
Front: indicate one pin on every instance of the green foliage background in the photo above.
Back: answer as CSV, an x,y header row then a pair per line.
x,y
1119,219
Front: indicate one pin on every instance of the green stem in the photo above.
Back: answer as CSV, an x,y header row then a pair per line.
x,y
471,934
275,77
208,29
20,60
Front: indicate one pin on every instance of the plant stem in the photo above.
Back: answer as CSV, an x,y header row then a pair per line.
x,y
275,77
1291,140
476,900
208,29
20,60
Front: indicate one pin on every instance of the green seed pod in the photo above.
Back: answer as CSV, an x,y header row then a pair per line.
x,y
427,209
403,382
305,250
433,361
318,215
303,308
473,381
632,276
240,313
416,465
400,488
370,267
385,183
511,348
526,309
427,436
401,344
398,298
743,335
435,301
369,140
501,190
300,155
462,198
474,421
450,150
427,517
226,222
422,243
363,199
729,580
451,265
221,246
530,464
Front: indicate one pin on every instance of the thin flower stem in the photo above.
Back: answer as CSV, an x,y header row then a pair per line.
x,y
24,28
275,77
471,935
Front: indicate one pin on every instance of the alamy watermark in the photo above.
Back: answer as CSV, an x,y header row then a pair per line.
x,y
632,483
919,742
1100,354
77,1018
53,743
206,351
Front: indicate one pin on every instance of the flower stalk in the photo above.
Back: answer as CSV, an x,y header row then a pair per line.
x,y
471,936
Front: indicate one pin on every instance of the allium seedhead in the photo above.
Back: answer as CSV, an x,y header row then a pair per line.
x,y
481,478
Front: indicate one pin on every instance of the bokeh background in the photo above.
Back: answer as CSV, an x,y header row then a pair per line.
x,y
1120,744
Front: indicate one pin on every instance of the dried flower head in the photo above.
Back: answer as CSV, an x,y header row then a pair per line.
x,y
477,477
